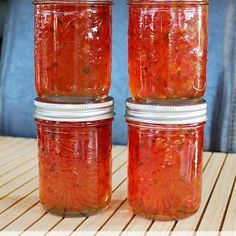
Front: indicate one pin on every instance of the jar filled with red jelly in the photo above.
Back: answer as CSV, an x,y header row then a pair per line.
x,y
73,49
168,49
75,143
165,143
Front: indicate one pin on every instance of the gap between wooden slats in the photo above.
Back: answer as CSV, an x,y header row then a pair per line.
x,y
210,177
138,224
117,150
129,222
18,209
214,214
29,218
18,182
119,160
229,223
15,154
18,195
18,171
7,153
13,166
20,158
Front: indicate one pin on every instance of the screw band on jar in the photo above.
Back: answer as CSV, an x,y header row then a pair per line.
x,y
187,112
101,110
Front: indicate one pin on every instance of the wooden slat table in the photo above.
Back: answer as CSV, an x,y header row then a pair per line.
x,y
22,214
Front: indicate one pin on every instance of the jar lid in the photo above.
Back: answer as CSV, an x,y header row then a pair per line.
x,y
72,1
184,112
83,112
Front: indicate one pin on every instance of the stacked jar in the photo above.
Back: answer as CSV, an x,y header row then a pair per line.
x,y
73,110
166,114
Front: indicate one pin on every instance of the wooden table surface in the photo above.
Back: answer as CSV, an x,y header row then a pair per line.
x,y
21,212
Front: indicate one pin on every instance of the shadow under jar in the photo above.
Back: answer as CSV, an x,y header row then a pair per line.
x,y
167,49
73,49
74,160
165,145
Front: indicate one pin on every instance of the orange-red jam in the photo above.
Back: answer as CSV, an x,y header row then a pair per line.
x,y
167,49
164,167
165,170
74,165
73,49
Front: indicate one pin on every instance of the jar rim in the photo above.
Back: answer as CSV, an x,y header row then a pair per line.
x,y
171,2
186,112
166,126
41,2
70,112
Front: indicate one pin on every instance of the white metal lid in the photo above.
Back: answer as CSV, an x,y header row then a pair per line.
x,y
83,112
184,112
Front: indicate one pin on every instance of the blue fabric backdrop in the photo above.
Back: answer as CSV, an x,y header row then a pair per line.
x,y
17,77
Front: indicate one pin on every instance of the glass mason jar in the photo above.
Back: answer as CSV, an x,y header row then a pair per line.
x,y
165,159
73,49
74,161
168,49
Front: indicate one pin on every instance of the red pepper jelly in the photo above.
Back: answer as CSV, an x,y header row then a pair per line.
x,y
73,49
74,160
165,159
168,49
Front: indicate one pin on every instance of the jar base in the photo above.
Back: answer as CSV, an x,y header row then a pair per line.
x,y
157,217
72,99
73,214
183,101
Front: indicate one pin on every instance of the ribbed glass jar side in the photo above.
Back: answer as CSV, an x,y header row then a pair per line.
x,y
74,166
165,169
168,49
73,50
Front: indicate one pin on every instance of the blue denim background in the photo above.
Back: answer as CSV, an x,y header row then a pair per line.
x,y
17,76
